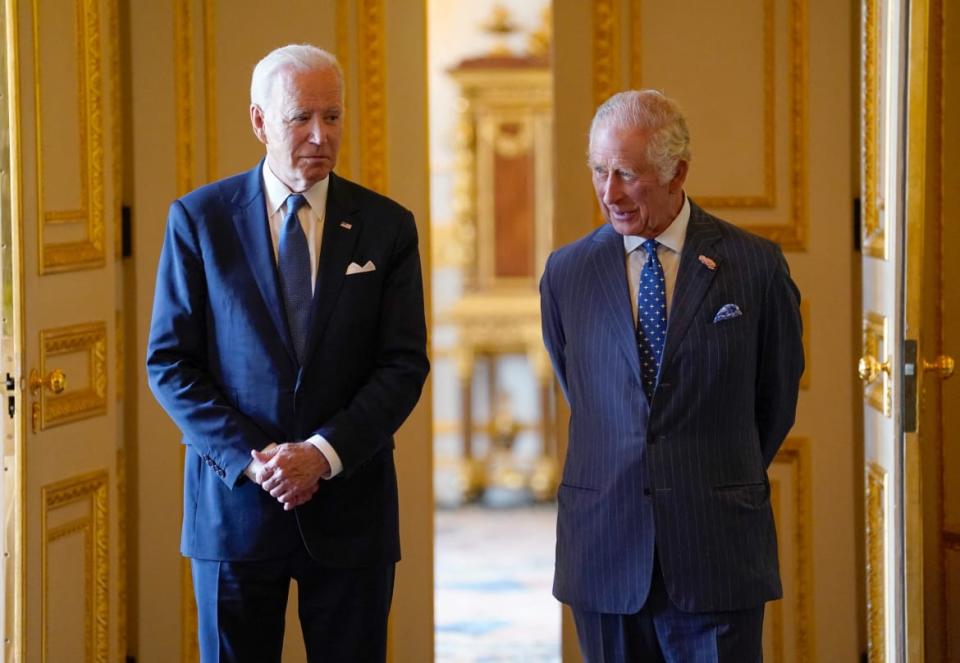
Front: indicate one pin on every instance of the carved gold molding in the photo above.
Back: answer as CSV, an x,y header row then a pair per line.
x,y
873,234
606,49
795,454
372,76
606,60
183,64
879,391
116,127
776,607
210,87
94,528
344,159
89,252
74,403
876,573
121,460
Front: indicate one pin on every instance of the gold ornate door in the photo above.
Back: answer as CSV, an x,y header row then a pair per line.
x,y
903,125
60,216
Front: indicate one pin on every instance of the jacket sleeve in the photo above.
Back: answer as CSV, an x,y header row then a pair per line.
x,y
553,336
177,362
780,360
367,424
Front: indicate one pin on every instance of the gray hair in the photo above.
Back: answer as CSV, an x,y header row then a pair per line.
x,y
650,111
298,57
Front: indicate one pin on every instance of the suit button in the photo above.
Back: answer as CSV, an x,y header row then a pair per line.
x,y
646,491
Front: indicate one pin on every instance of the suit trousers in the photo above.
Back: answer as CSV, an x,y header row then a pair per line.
x,y
241,608
661,632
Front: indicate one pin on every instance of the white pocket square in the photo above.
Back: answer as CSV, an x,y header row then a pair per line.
x,y
726,312
354,268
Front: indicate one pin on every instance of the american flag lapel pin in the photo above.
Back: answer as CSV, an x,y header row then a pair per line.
x,y
709,263
345,225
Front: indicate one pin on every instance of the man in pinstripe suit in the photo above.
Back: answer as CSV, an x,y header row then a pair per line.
x,y
666,548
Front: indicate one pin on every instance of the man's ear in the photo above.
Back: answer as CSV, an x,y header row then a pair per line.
x,y
679,177
256,121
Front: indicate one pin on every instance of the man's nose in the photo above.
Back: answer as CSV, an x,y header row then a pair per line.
x,y
611,189
317,133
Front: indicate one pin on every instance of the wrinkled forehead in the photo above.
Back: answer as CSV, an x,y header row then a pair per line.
x,y
317,86
620,147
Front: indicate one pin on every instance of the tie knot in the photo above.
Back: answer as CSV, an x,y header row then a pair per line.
x,y
650,246
294,202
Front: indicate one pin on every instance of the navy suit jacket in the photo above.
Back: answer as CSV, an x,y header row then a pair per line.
x,y
221,362
687,471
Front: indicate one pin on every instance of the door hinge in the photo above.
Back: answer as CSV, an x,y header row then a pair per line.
x,y
910,386
11,399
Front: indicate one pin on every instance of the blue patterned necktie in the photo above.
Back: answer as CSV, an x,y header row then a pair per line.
x,y
294,264
651,317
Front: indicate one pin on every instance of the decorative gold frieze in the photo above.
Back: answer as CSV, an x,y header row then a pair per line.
x,y
877,387
344,159
873,233
116,127
88,252
876,574
372,77
93,526
73,403
183,67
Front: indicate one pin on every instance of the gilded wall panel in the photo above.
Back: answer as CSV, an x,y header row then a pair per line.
x,y
791,483
747,113
76,507
70,187
84,344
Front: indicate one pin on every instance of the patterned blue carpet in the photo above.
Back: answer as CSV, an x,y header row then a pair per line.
x,y
494,570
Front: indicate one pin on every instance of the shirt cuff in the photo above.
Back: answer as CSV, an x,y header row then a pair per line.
x,y
251,469
324,447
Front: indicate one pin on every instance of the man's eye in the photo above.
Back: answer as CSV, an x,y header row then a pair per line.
x,y
599,171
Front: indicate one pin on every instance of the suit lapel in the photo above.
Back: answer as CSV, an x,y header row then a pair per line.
x,y
693,278
341,229
609,262
250,220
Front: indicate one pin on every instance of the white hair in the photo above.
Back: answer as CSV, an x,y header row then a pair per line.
x,y
296,57
650,111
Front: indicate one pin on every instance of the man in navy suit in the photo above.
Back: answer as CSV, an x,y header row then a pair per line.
x,y
288,343
676,338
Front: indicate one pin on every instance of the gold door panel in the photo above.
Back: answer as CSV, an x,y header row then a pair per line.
x,y
82,348
69,145
75,569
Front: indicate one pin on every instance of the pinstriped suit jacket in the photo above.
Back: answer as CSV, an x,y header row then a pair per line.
x,y
687,471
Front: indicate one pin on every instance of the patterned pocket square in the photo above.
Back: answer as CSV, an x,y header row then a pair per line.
x,y
354,268
726,312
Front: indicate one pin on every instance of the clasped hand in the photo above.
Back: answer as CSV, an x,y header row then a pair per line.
x,y
290,472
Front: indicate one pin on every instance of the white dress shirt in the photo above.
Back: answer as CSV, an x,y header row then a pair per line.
x,y
311,218
669,251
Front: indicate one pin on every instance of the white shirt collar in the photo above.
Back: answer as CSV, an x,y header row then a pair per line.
x,y
277,192
672,237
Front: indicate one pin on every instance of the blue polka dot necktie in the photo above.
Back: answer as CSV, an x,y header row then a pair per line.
x,y
294,264
651,317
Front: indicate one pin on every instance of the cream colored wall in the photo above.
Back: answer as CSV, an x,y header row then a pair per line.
x,y
155,512
239,33
710,58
